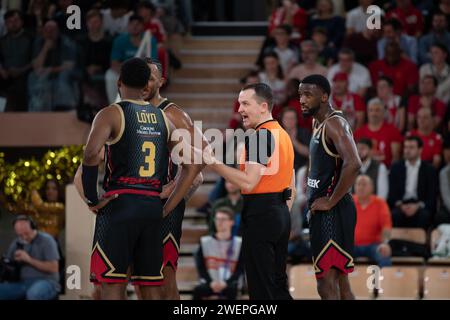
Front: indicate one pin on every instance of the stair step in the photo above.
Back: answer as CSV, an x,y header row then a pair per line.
x,y
187,102
223,43
211,73
218,58
202,88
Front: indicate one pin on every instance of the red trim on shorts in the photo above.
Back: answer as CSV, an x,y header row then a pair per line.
x,y
332,258
99,268
131,191
170,254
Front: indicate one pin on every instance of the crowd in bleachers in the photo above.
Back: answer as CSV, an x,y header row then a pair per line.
x,y
392,85
46,66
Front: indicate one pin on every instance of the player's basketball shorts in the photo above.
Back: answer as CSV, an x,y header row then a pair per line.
x,y
332,237
171,235
128,235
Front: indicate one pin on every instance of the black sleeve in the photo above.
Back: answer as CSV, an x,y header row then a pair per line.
x,y
259,147
238,272
201,267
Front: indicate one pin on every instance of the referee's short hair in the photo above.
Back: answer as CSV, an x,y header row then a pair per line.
x,y
263,93
319,81
135,73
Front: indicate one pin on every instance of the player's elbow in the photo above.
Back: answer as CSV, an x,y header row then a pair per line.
x,y
90,156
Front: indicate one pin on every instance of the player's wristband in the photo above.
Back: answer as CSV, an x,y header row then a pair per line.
x,y
89,180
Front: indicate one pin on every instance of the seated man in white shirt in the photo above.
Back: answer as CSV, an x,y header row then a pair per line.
x,y
358,75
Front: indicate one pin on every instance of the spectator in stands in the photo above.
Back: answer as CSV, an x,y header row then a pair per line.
x,y
358,75
373,224
426,99
432,141
236,118
443,216
50,209
438,34
439,68
272,75
392,32
37,254
385,137
147,11
403,72
351,104
292,101
288,57
410,17
125,46
15,62
363,44
309,53
395,105
219,260
413,188
324,17
292,14
376,170
116,17
232,200
51,84
356,19
95,61
327,53
38,12
300,137
298,248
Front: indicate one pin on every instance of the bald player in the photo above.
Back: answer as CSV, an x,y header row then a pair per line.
x,y
333,167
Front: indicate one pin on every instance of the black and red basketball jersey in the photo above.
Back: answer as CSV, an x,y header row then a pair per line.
x,y
325,164
137,160
173,168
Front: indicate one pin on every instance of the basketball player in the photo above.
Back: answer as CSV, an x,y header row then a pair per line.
x,y
171,223
334,166
135,137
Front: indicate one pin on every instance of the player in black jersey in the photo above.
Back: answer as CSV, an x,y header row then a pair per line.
x,y
171,225
135,136
334,166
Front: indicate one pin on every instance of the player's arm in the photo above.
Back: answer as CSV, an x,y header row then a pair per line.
x,y
189,170
338,132
104,128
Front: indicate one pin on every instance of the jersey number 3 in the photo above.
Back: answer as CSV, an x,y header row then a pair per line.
x,y
149,150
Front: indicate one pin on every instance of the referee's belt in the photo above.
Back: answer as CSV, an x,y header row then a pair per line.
x,y
285,195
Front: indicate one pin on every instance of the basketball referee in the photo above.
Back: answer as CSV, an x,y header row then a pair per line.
x,y
266,179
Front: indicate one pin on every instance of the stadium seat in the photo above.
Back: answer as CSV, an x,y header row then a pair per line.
x,y
358,282
399,283
416,235
302,282
437,283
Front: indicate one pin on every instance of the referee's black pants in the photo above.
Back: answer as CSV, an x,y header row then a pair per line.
x,y
266,227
